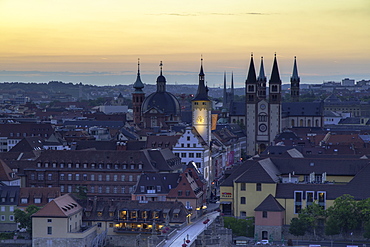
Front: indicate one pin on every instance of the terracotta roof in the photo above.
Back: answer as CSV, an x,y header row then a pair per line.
x,y
63,206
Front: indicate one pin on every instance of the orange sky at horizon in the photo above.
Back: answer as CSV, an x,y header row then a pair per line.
x,y
95,36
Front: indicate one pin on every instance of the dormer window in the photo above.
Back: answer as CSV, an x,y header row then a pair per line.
x,y
100,214
24,200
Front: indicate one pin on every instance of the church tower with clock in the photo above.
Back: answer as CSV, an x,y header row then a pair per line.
x,y
263,116
201,109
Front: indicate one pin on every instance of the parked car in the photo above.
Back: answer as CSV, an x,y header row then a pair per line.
x,y
263,242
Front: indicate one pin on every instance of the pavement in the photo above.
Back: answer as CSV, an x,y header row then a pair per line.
x,y
192,230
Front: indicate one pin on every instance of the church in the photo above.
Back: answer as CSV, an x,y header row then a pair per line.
x,y
263,114
159,109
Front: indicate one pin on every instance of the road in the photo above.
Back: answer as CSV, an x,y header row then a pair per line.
x,y
192,230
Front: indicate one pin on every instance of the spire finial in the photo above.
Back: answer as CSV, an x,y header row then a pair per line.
x,y
251,54
161,65
138,65
275,53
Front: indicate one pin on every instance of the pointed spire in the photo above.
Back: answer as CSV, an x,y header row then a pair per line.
x,y
232,85
138,85
224,99
261,76
202,93
295,76
275,76
251,78
201,73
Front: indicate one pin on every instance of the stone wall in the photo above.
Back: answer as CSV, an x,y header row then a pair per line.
x,y
215,235
51,242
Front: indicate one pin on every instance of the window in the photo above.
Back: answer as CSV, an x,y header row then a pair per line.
x,y
179,193
107,177
2,217
2,208
309,198
188,138
61,176
123,189
92,178
133,214
242,187
111,225
77,177
183,155
199,155
115,177
158,188
122,177
50,230
258,187
50,176
187,193
130,178
40,176
100,189
69,188
11,217
132,166
140,166
100,177
92,189
264,214
321,198
50,220
11,208
62,188
191,155
69,176
37,200
32,176
297,201
115,190
85,177
242,200
107,189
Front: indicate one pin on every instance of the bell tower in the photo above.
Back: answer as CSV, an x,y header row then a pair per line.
x,y
138,96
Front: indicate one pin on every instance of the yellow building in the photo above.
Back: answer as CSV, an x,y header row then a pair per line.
x,y
294,182
59,223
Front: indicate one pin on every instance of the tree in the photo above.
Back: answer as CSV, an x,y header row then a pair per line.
x,y
344,215
298,227
240,227
81,192
313,215
24,217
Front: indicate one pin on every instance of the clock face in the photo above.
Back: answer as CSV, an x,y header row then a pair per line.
x,y
262,127
263,106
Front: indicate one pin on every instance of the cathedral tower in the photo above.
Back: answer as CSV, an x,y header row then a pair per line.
x,y
138,96
294,83
263,117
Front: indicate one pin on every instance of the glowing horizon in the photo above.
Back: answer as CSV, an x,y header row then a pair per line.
x,y
330,38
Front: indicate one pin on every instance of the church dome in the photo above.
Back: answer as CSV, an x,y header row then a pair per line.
x,y
165,102
162,100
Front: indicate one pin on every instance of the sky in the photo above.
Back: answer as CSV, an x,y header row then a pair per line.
x,y
99,42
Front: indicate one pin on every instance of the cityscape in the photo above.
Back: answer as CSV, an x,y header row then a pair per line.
x,y
192,124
